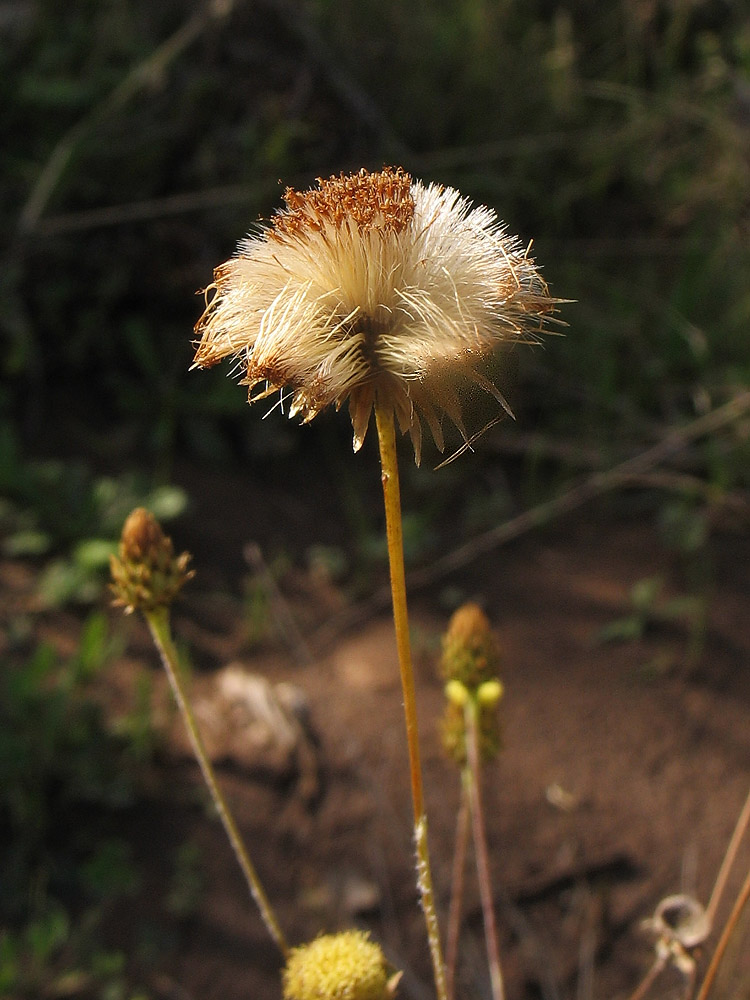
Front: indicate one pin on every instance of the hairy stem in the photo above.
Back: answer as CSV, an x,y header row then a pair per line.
x,y
394,532
158,622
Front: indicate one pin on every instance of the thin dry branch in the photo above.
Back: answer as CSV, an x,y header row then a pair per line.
x,y
676,440
637,469
140,76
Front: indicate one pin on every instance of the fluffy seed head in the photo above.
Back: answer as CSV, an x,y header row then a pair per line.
x,y
373,288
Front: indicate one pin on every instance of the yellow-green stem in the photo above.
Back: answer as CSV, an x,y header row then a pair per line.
x,y
158,622
394,532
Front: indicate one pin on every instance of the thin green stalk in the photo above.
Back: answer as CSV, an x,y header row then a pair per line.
x,y
158,622
394,532
457,886
480,848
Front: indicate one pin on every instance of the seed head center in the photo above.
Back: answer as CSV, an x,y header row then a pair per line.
x,y
381,200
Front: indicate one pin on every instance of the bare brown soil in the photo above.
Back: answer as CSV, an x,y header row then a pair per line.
x,y
623,771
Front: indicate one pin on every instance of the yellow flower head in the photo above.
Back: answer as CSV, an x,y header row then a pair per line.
x,y
345,966
373,288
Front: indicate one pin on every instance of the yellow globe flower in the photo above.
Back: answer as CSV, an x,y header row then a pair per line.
x,y
345,966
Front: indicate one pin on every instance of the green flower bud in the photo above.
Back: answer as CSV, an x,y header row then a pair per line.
x,y
489,693
456,693
147,574
471,653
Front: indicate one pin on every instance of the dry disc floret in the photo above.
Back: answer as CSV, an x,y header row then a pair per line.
x,y
372,288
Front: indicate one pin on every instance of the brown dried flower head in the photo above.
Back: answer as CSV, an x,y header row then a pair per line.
x,y
371,289
147,574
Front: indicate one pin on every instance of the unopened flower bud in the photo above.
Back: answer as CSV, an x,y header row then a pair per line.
x,y
489,693
471,653
345,966
456,693
147,574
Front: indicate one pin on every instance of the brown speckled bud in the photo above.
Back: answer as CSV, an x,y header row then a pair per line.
x,y
471,653
147,574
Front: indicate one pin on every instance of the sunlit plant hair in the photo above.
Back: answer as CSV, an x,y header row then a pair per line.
x,y
376,290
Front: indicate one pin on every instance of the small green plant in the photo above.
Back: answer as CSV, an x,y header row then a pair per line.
x,y
470,667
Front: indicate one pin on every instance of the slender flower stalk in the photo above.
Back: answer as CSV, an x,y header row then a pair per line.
x,y
457,888
470,663
471,711
147,577
158,623
743,821
729,927
386,294
394,533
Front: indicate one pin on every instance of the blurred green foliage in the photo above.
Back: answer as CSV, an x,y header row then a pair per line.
x,y
62,511
617,137
65,777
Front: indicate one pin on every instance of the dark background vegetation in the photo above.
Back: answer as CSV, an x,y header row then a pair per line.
x,y
142,140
